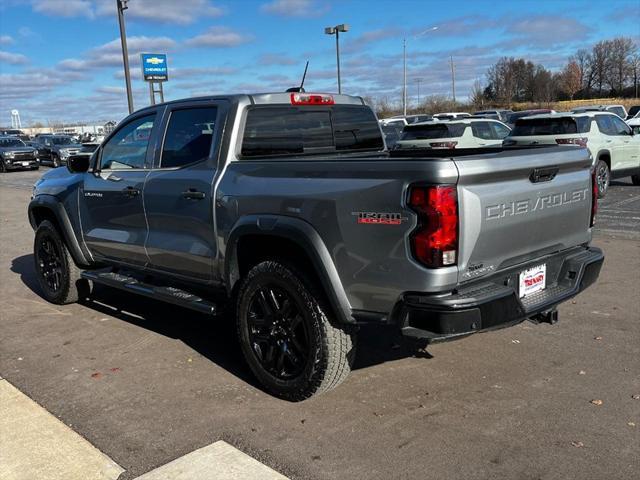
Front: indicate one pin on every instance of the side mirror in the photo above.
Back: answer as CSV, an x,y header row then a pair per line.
x,y
78,163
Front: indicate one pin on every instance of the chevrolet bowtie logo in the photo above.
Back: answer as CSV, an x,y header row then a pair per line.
x,y
155,60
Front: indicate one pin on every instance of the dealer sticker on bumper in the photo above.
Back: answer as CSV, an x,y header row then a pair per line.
x,y
533,280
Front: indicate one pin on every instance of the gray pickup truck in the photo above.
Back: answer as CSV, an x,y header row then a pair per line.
x,y
288,207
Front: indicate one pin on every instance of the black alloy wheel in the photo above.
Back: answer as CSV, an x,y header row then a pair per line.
x,y
50,263
279,337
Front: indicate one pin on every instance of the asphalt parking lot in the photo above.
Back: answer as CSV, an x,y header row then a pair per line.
x,y
146,382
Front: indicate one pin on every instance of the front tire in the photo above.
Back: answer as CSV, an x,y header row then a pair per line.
x,y
603,176
288,337
57,273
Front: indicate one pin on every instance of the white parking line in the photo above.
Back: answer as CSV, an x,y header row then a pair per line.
x,y
218,461
36,445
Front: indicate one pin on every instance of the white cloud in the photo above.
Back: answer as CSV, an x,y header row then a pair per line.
x,y
6,40
64,8
13,58
181,12
218,37
110,54
294,8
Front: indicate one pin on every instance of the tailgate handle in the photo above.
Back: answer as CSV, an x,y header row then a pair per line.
x,y
543,174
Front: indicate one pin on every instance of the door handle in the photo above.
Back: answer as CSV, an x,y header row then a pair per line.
x,y
193,194
131,191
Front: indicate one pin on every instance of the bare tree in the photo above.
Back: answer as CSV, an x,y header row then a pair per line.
x,y
621,50
476,96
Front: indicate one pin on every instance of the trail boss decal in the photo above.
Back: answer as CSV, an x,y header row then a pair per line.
x,y
379,218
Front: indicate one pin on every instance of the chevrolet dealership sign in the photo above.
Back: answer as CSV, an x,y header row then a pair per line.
x,y
154,67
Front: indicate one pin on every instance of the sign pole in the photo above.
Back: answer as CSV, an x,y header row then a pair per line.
x,y
151,94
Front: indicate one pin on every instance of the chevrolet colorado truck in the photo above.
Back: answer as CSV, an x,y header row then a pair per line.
x,y
15,154
289,207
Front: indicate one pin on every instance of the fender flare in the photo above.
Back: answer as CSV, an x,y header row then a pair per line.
x,y
303,234
80,255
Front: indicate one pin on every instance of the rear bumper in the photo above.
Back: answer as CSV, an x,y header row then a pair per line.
x,y
495,303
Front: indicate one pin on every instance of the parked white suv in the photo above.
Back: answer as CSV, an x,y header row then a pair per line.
x,y
462,133
619,110
614,147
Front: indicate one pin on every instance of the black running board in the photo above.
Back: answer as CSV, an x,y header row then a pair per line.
x,y
166,294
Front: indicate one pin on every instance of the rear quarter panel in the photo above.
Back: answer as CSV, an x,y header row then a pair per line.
x,y
373,260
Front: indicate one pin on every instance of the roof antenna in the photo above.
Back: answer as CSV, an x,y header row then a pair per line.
x,y
301,87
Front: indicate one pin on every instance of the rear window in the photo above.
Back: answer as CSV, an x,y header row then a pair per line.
x,y
550,126
618,111
428,132
281,130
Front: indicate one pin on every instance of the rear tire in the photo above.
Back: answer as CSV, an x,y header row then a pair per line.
x,y
635,179
289,339
57,274
603,177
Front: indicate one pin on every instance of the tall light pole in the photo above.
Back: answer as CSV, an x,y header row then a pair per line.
x,y
122,6
404,77
453,80
404,67
336,31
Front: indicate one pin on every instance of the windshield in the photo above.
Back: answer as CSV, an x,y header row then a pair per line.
x,y
428,132
62,141
11,142
633,111
551,126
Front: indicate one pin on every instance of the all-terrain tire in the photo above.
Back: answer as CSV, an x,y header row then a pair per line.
x,y
57,274
331,347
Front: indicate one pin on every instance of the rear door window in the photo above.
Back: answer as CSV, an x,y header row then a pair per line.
x,y
428,132
189,136
501,131
482,130
605,125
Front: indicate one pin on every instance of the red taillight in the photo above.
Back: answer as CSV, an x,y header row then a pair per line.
x,y
311,99
594,197
435,241
572,141
443,144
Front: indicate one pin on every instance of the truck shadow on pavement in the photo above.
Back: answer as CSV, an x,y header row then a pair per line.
x,y
214,337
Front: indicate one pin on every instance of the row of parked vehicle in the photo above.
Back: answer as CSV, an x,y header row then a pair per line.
x,y
613,143
18,151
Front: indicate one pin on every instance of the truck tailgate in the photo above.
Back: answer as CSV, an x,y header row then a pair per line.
x,y
517,206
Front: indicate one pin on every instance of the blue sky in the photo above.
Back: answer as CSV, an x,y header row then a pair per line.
x,y
61,60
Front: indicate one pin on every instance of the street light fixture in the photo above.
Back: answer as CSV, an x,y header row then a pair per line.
x,y
336,31
404,66
122,6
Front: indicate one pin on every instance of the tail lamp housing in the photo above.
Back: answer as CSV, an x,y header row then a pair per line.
x,y
434,243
